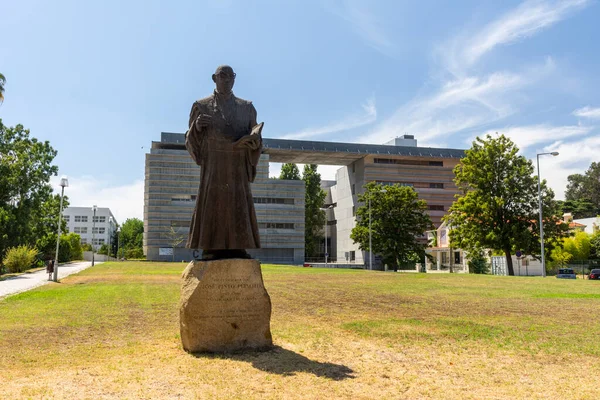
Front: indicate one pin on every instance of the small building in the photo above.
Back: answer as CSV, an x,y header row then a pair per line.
x,y
98,231
445,258
591,225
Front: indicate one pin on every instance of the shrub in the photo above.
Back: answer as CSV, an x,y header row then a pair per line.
x,y
478,264
19,259
134,253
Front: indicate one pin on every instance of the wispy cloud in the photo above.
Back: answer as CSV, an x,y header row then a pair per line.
x,y
524,21
588,112
366,25
459,105
527,136
125,201
368,116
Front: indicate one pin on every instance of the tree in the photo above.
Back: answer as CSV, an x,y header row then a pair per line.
x,y
25,171
498,207
595,246
478,263
578,208
44,225
290,171
398,218
586,188
578,246
175,238
132,238
314,216
2,82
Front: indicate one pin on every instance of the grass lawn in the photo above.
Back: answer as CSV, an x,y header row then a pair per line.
x,y
112,332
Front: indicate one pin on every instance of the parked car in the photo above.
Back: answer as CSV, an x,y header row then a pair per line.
x,y
594,274
566,273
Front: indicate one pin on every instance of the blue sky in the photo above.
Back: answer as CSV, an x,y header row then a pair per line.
x,y
101,80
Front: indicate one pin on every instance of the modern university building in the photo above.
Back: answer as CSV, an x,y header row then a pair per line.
x,y
172,179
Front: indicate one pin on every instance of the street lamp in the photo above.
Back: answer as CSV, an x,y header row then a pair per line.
x,y
64,182
326,208
109,230
94,208
118,241
370,232
554,153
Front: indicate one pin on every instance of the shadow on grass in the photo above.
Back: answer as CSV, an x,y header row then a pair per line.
x,y
284,362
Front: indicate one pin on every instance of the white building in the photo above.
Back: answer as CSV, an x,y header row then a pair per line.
x,y
95,232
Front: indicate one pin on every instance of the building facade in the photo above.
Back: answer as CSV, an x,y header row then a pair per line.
x,y
95,232
172,180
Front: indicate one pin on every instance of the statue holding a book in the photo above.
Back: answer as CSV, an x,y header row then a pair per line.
x,y
225,140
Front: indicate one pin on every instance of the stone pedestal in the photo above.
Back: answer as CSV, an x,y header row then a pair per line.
x,y
224,307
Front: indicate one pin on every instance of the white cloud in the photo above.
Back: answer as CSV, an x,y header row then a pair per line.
x,y
526,136
524,21
351,122
574,157
365,24
124,201
588,112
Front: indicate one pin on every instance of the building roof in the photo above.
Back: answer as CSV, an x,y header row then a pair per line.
x,y
322,153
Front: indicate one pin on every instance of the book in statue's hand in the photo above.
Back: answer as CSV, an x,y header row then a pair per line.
x,y
252,140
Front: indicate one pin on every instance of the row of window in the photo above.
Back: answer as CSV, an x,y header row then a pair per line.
x,y
431,207
84,229
423,185
276,225
258,200
84,218
96,242
409,162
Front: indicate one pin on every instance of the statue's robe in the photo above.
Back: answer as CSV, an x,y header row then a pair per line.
x,y
224,217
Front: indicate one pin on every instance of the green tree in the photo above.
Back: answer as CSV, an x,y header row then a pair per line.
x,y
132,237
578,208
44,224
595,246
175,238
498,207
290,171
578,246
2,82
561,257
25,171
586,188
314,216
398,218
478,263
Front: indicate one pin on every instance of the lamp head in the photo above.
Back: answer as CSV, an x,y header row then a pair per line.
x,y
554,153
64,181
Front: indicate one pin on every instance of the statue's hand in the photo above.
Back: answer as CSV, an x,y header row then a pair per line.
x,y
249,141
203,121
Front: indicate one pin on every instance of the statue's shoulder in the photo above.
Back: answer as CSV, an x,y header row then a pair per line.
x,y
205,101
243,102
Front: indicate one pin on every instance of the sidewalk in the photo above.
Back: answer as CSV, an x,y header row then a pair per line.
x,y
24,282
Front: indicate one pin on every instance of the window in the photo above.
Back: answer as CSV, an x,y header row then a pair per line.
x,y
180,224
78,218
435,207
66,217
353,167
276,225
84,241
352,255
99,219
353,188
98,242
436,185
272,200
100,231
409,162
80,229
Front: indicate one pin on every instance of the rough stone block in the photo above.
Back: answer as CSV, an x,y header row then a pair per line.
x,y
224,307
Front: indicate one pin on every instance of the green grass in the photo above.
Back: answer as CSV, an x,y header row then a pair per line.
x,y
113,328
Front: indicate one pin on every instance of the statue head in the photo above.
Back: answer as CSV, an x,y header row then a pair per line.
x,y
224,78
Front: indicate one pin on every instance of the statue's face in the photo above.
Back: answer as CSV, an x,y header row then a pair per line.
x,y
224,79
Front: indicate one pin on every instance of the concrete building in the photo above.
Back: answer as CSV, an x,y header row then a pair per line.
x,y
80,220
172,180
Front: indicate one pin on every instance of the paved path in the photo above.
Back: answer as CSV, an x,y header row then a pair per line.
x,y
24,282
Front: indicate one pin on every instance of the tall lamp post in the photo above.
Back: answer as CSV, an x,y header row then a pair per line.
x,y
64,182
110,220
118,241
554,153
94,208
370,232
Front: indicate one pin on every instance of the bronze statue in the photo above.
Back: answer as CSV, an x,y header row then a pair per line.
x,y
225,141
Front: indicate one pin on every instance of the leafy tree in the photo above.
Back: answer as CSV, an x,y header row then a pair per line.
x,y
595,246
2,82
44,224
25,171
20,258
578,208
478,263
586,188
561,257
578,246
498,207
314,216
398,218
132,235
103,249
86,247
290,171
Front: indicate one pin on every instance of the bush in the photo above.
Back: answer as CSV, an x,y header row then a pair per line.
x,y
19,259
86,247
478,264
134,253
